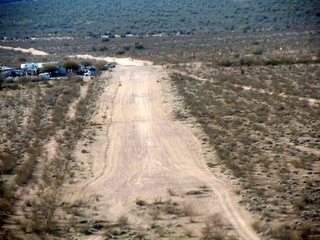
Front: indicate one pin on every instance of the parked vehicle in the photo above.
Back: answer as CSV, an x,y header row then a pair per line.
x,y
17,73
109,65
45,75
92,69
6,72
62,71
28,66
89,73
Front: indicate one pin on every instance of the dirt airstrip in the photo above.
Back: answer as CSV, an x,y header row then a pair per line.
x,y
139,152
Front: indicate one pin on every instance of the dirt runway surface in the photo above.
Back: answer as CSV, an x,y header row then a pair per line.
x,y
140,151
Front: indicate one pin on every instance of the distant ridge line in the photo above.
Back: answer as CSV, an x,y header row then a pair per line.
x,y
11,1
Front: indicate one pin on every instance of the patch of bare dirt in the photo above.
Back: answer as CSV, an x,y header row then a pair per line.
x,y
29,50
121,61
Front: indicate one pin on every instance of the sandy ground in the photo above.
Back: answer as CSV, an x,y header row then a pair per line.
x,y
29,50
121,61
139,152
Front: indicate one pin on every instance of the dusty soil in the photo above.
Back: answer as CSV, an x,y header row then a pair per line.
x,y
122,61
138,151
29,50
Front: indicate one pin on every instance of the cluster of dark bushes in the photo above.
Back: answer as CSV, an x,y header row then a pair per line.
x,y
265,62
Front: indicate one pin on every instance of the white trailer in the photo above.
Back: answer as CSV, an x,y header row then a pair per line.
x,y
26,66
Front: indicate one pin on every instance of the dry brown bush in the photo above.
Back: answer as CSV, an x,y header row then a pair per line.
x,y
123,221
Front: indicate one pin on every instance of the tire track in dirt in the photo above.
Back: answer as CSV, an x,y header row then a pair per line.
x,y
109,110
311,101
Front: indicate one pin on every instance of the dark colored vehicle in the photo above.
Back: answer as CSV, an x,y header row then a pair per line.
x,y
109,65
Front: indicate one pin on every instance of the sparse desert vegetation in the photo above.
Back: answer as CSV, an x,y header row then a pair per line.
x,y
251,94
276,48
146,17
33,116
263,122
257,105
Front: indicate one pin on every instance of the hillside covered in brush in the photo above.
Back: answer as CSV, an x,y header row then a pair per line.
x,y
21,19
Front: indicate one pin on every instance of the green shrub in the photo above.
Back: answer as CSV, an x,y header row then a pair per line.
x,y
126,48
274,62
225,63
120,52
138,45
102,48
257,51
141,202
105,40
100,65
51,68
22,59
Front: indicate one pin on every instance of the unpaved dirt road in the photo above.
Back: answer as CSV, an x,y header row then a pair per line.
x,y
141,152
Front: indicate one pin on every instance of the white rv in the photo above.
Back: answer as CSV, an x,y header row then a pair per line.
x,y
27,66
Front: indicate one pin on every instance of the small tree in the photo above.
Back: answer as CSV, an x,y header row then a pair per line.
x,y
51,68
43,219
70,65
86,63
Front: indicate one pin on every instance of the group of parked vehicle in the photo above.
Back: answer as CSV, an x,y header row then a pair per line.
x,y
34,69
30,69
9,73
92,70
